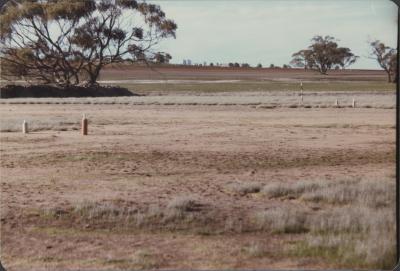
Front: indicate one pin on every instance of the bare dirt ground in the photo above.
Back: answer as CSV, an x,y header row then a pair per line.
x,y
197,174
140,158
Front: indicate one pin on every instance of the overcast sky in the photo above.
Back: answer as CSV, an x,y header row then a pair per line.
x,y
269,31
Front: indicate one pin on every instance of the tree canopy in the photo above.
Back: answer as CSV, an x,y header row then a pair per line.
x,y
386,58
323,54
67,41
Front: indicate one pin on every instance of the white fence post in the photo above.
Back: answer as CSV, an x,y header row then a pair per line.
x,y
25,127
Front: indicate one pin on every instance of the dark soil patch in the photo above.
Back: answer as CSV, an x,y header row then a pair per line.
x,y
47,91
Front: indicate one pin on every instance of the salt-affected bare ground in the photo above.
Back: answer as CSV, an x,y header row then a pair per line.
x,y
369,99
259,100
185,186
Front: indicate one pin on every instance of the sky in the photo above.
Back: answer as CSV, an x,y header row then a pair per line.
x,y
270,31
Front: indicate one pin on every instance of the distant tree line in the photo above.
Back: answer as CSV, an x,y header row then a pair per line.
x,y
237,65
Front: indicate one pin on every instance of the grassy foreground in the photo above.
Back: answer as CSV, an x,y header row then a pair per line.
x,y
349,225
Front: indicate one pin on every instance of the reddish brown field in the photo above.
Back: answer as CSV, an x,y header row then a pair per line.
x,y
123,72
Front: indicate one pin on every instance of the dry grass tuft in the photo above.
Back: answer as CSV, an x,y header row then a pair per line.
x,y
254,250
376,194
374,250
247,188
282,220
338,249
357,229
181,213
277,190
145,260
141,260
352,219
284,190
92,210
187,210
378,249
184,204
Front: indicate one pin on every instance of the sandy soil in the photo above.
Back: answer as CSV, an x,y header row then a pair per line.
x,y
147,155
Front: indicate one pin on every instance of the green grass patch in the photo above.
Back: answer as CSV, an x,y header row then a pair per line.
x,y
262,86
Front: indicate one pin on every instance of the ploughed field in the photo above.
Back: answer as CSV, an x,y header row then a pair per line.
x,y
179,72
197,186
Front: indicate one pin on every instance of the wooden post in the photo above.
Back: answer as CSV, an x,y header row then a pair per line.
x,y
337,103
84,125
354,103
25,127
301,88
301,92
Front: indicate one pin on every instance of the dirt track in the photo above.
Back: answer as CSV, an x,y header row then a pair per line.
x,y
147,155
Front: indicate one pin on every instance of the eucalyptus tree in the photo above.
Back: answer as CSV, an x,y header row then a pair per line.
x,y
323,54
67,41
387,59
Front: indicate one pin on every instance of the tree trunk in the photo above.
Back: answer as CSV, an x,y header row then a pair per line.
x,y
94,75
93,79
76,76
389,77
2,268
